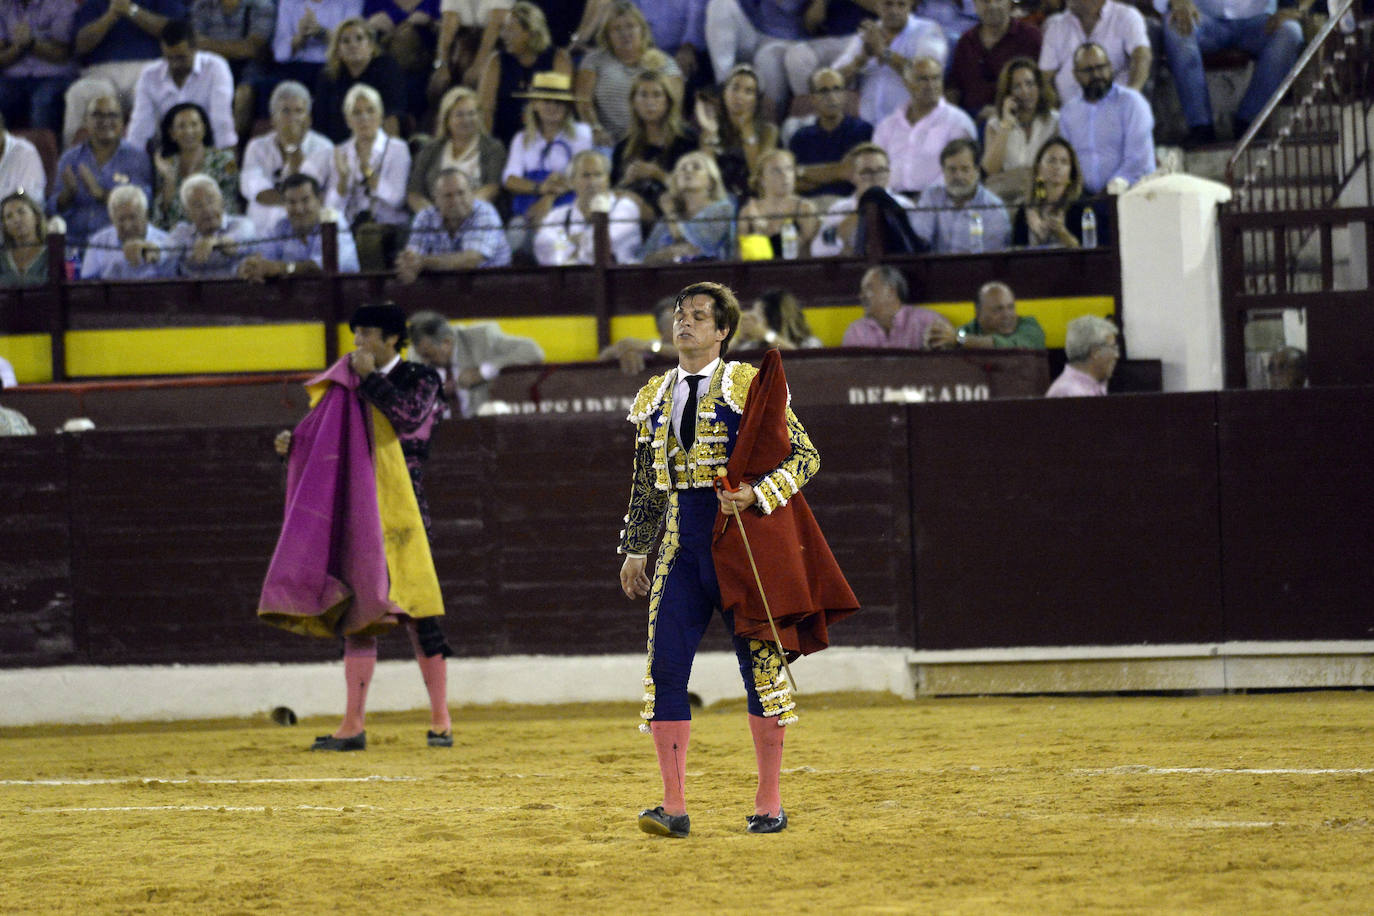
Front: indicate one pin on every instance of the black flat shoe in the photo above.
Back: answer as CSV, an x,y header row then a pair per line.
x,y
766,823
655,821
329,743
439,739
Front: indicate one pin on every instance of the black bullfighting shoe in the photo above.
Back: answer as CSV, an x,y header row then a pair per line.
x,y
655,821
439,739
766,823
329,743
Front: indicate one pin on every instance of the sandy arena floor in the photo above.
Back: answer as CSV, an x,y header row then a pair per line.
x,y
1223,804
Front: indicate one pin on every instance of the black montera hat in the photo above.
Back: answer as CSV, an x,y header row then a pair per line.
x,y
388,316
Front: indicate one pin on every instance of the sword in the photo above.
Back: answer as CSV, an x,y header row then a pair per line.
x,y
723,483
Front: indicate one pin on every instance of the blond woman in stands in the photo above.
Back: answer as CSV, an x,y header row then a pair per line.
x,y
778,206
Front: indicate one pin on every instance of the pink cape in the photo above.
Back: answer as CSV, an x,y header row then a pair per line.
x,y
328,575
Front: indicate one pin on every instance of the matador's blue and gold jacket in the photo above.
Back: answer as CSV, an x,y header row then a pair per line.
x,y
661,466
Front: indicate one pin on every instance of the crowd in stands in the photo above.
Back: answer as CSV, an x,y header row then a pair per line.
x,y
212,138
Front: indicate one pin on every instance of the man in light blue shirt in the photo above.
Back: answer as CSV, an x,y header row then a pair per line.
x,y
209,242
296,246
129,248
957,215
1110,126
457,232
1193,28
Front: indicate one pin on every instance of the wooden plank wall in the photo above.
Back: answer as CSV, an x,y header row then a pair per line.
x,y
1130,519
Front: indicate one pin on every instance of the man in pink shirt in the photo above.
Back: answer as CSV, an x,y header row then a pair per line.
x,y
914,134
1092,351
887,322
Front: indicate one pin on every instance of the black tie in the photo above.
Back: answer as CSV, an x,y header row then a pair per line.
x,y
688,423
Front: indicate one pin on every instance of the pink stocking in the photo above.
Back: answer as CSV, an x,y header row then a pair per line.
x,y
768,752
670,741
360,660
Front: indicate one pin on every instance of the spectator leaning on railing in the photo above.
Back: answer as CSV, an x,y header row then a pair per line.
x,y
957,214
209,242
1053,214
130,248
996,324
456,232
296,244
566,236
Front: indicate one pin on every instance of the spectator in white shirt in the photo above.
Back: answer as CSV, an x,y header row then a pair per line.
x,y
371,169
183,75
129,248
1117,27
291,147
566,236
209,243
20,166
914,135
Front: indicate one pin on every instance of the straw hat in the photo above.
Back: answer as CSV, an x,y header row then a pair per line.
x,y
551,85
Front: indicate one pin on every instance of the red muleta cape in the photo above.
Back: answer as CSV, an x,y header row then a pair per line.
x,y
806,589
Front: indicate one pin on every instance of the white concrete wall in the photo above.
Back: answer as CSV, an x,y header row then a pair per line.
x,y
1171,278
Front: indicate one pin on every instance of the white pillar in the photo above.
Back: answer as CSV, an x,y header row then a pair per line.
x,y
1171,278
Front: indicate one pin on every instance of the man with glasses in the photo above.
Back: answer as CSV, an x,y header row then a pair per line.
x,y
1110,126
868,169
1117,28
89,171
1092,348
820,148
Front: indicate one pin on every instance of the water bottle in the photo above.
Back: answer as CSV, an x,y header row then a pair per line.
x,y
789,240
1087,228
563,249
975,232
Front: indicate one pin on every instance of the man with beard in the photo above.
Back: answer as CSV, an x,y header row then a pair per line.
x,y
1110,126
958,215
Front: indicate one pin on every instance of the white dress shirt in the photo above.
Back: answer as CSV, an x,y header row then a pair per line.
x,y
210,85
391,158
566,236
262,163
680,392
22,167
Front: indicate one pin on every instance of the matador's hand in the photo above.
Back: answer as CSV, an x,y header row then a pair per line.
x,y
732,500
634,582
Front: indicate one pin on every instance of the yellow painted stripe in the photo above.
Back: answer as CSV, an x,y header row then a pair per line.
x,y
177,351
563,339
829,323
30,355
290,347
